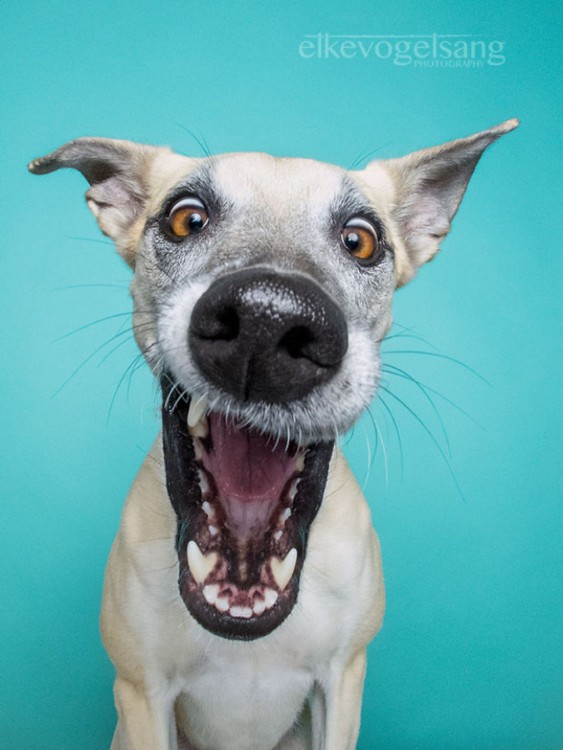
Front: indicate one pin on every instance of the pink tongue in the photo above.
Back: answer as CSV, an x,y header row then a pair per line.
x,y
245,464
250,473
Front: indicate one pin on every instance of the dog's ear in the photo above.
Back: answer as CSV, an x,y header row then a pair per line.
x,y
426,190
118,173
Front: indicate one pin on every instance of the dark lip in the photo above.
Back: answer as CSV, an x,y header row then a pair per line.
x,y
185,496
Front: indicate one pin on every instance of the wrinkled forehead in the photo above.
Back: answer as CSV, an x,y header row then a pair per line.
x,y
254,181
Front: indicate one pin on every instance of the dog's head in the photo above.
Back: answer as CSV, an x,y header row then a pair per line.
x,y
262,288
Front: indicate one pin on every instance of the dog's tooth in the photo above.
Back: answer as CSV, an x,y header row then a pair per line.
x,y
259,606
200,565
270,598
284,515
293,489
198,407
210,592
213,530
203,483
244,612
198,448
222,603
201,429
300,460
278,535
207,509
282,570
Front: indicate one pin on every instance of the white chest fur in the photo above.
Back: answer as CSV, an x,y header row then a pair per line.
x,y
239,695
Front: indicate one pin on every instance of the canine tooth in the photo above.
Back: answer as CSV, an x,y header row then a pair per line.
x,y
213,530
199,564
270,598
210,592
259,606
222,603
198,407
201,429
244,612
282,570
300,460
198,448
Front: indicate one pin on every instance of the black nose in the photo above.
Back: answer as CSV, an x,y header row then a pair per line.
x,y
265,336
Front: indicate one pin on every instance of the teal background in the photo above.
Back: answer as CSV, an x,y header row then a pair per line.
x,y
470,656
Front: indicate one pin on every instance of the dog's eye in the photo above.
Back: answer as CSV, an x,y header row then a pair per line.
x,y
187,217
360,239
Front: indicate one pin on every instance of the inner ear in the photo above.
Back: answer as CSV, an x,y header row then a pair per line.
x,y
427,188
119,177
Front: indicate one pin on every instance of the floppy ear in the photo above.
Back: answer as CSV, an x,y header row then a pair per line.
x,y
427,188
118,173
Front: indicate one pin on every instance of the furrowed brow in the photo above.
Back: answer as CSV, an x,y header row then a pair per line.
x,y
349,202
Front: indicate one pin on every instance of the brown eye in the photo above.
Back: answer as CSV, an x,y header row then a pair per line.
x,y
187,217
360,239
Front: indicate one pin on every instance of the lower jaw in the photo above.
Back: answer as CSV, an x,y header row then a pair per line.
x,y
237,623
236,594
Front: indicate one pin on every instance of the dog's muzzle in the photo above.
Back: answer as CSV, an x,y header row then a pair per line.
x,y
265,336
244,499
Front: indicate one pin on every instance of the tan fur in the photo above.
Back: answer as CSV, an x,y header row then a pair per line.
x,y
300,687
141,603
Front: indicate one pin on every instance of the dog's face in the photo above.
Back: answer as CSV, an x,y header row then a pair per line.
x,y
262,289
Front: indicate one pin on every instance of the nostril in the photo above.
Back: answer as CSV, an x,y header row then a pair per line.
x,y
296,341
229,324
261,335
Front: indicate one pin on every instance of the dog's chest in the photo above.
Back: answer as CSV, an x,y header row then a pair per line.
x,y
242,697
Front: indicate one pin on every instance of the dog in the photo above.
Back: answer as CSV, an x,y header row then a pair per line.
x,y
245,581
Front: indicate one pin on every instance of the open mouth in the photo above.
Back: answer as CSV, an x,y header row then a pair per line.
x,y
244,503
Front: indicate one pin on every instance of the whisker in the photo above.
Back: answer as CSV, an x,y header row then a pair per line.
x,y
430,435
122,286
379,436
204,139
174,385
118,345
96,240
363,155
441,356
349,436
404,335
89,325
455,406
439,394
88,359
410,331
397,433
120,383
201,142
392,370
141,361
131,330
